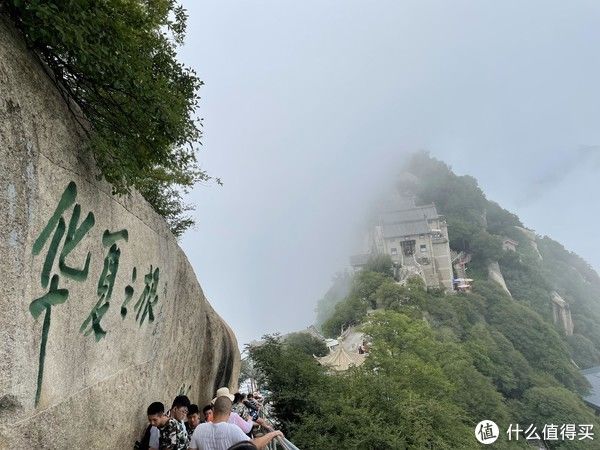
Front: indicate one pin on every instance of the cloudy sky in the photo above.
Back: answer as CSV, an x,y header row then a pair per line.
x,y
309,108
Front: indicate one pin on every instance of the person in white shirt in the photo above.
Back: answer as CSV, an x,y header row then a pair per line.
x,y
245,425
220,435
153,443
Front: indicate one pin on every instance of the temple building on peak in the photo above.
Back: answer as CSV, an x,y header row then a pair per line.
x,y
416,239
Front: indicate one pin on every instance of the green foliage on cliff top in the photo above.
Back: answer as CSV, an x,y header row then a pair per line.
x,y
306,343
474,222
116,59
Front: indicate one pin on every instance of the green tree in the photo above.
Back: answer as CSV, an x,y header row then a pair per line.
x,y
556,405
246,370
495,357
307,343
340,288
583,351
290,375
353,308
365,286
117,62
380,264
499,220
399,340
535,339
478,354
389,403
348,312
486,247
389,294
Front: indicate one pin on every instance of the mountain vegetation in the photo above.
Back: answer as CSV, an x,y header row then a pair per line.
x,y
117,62
440,363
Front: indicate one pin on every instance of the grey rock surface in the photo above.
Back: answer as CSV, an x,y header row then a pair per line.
x,y
495,274
112,335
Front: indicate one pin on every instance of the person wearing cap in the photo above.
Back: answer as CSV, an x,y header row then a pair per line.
x,y
220,434
234,418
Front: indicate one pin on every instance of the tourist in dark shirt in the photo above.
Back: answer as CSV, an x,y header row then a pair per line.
x,y
172,436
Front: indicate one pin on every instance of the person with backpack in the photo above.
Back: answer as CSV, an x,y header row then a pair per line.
x,y
252,406
150,439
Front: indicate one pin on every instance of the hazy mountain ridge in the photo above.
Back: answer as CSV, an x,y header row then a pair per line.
x,y
530,280
438,362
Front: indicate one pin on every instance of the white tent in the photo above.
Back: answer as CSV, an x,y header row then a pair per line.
x,y
341,360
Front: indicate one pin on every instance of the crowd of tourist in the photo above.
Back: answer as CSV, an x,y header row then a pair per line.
x,y
230,421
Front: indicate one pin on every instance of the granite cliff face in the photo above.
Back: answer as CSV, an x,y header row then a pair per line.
x,y
101,312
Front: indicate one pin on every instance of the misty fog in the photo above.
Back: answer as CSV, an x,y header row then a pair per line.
x,y
309,108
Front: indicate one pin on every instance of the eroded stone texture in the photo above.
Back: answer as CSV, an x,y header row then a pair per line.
x,y
562,313
495,274
98,375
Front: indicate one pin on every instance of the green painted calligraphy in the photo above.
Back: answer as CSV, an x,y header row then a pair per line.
x,y
105,284
66,201
149,298
74,236
109,238
56,296
128,294
184,390
53,297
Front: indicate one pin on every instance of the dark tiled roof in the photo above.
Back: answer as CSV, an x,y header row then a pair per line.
x,y
426,212
405,229
397,203
593,376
